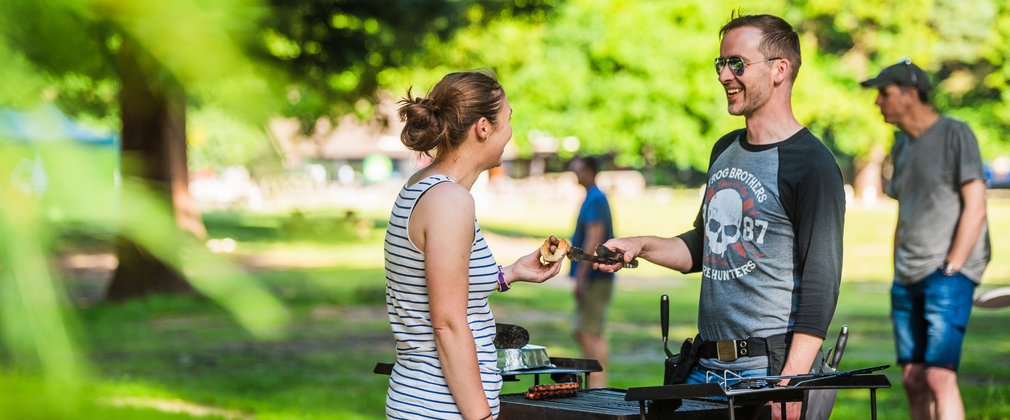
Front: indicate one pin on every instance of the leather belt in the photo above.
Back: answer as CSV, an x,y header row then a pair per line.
x,y
730,350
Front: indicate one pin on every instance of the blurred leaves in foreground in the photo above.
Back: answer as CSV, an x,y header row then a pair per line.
x,y
75,188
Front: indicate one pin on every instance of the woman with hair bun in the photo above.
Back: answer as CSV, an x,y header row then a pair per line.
x,y
439,270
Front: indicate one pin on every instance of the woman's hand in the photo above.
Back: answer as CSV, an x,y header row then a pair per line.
x,y
528,268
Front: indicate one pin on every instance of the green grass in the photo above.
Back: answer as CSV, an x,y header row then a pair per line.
x,y
171,357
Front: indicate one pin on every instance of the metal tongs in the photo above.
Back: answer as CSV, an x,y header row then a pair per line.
x,y
603,256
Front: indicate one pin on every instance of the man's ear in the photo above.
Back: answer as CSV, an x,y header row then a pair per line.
x,y
913,95
783,69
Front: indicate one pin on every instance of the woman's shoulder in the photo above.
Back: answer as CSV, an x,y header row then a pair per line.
x,y
446,194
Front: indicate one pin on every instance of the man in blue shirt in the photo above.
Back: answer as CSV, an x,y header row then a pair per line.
x,y
593,289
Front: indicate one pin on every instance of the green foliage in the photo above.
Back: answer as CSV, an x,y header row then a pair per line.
x,y
635,78
629,78
65,51
218,140
333,52
38,337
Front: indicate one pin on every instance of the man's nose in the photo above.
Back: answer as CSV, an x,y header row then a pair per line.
x,y
726,73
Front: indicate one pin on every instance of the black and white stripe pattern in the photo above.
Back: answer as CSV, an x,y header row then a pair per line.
x,y
417,387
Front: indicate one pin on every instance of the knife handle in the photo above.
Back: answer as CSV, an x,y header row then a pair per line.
x,y
664,317
843,337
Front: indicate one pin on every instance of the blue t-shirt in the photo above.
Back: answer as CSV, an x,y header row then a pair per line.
x,y
595,208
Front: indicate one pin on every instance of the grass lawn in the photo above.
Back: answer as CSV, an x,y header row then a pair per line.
x,y
182,357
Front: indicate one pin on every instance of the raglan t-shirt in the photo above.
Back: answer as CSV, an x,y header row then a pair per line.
x,y
928,174
768,241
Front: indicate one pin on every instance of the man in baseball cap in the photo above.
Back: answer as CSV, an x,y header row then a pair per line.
x,y
941,242
905,73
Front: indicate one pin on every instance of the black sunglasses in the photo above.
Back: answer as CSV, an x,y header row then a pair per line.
x,y
736,64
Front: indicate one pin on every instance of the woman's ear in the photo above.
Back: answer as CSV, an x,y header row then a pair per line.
x,y
481,128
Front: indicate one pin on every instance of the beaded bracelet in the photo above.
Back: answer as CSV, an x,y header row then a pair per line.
x,y
503,286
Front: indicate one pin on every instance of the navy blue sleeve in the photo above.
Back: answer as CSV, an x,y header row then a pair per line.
x,y
695,238
813,196
597,210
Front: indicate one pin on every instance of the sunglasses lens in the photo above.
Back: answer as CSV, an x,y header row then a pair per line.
x,y
736,65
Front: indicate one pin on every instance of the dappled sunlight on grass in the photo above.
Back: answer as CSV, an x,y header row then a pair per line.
x,y
175,406
189,352
24,397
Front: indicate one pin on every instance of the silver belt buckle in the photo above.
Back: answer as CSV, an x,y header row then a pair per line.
x,y
726,350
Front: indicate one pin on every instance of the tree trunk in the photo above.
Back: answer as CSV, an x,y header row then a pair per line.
x,y
868,184
153,111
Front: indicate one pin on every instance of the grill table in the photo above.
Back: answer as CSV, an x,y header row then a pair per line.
x,y
599,404
678,402
664,398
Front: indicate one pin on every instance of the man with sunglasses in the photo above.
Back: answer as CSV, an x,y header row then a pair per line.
x,y
941,242
768,236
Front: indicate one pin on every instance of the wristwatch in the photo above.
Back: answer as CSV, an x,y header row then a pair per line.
x,y
947,268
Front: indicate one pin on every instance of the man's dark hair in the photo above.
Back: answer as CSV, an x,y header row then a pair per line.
x,y
589,161
922,94
778,40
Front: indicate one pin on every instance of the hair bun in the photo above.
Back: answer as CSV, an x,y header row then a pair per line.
x,y
422,123
440,120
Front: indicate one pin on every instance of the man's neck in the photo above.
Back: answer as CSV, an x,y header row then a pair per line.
x,y
920,119
772,123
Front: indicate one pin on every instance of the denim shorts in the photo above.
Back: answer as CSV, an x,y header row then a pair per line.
x,y
930,318
701,375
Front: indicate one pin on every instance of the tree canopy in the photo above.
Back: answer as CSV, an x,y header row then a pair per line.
x,y
636,79
625,77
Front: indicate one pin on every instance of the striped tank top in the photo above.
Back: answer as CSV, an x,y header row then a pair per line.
x,y
417,387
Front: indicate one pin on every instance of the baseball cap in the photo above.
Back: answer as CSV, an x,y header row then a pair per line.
x,y
905,73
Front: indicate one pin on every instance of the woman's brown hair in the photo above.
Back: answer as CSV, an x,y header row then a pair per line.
x,y
439,121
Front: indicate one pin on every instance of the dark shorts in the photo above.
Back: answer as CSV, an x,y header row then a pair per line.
x,y
591,312
930,318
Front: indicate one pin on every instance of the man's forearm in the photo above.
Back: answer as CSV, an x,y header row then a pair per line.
x,y
969,225
667,252
802,353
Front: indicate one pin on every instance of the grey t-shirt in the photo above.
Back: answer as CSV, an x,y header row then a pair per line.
x,y
928,174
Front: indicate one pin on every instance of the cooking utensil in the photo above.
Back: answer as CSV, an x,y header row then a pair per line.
x,y
603,256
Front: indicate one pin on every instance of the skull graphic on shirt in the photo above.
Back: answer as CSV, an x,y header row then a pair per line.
x,y
722,221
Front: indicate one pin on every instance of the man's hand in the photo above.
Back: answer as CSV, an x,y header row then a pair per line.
x,y
799,360
631,247
667,252
792,410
